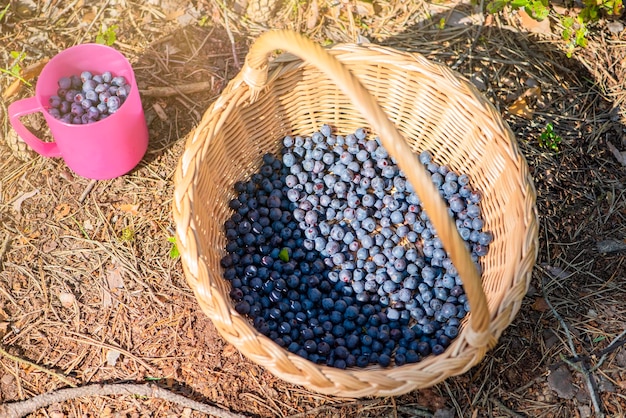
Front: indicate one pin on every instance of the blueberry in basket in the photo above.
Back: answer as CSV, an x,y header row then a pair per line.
x,y
330,254
88,98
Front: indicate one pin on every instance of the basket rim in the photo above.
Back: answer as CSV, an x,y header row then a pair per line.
x,y
187,233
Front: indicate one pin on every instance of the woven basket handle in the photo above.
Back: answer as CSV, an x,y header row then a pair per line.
x,y
255,74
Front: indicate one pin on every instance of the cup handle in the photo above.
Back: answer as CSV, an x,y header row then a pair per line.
x,y
25,107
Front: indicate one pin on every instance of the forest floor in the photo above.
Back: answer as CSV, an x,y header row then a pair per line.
x,y
89,289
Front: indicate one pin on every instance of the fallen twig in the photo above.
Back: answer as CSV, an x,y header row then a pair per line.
x,y
620,156
23,408
36,367
176,90
615,344
87,190
85,339
506,409
230,34
582,369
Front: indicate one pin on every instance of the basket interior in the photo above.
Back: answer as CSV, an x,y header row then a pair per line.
x,y
439,121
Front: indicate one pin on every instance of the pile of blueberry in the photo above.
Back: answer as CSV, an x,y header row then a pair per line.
x,y
332,257
88,98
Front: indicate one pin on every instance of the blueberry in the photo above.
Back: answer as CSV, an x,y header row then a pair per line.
x,y
54,101
70,95
55,113
76,109
117,81
76,81
425,157
437,349
473,211
384,360
485,238
242,307
65,83
113,103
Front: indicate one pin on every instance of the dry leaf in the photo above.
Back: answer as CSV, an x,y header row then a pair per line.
x,y
620,156
313,15
364,8
61,211
67,299
7,379
229,351
34,69
17,203
160,112
114,281
610,246
49,246
533,25
112,356
107,412
13,89
3,314
129,208
89,17
558,272
174,14
541,305
520,106
4,328
27,74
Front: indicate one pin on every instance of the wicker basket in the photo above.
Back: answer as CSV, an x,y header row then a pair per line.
x,y
434,109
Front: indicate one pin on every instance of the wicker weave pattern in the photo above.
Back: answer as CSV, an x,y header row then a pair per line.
x,y
433,108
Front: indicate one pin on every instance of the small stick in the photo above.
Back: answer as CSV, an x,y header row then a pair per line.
x,y
591,385
88,340
22,408
87,190
583,369
37,367
176,90
615,344
230,35
473,45
4,249
506,409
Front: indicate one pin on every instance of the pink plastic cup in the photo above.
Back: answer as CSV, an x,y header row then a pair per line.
x,y
105,149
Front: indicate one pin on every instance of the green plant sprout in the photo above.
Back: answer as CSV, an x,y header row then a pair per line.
x,y
537,9
284,255
204,20
4,11
107,36
574,27
593,9
574,34
174,253
15,69
548,139
127,235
